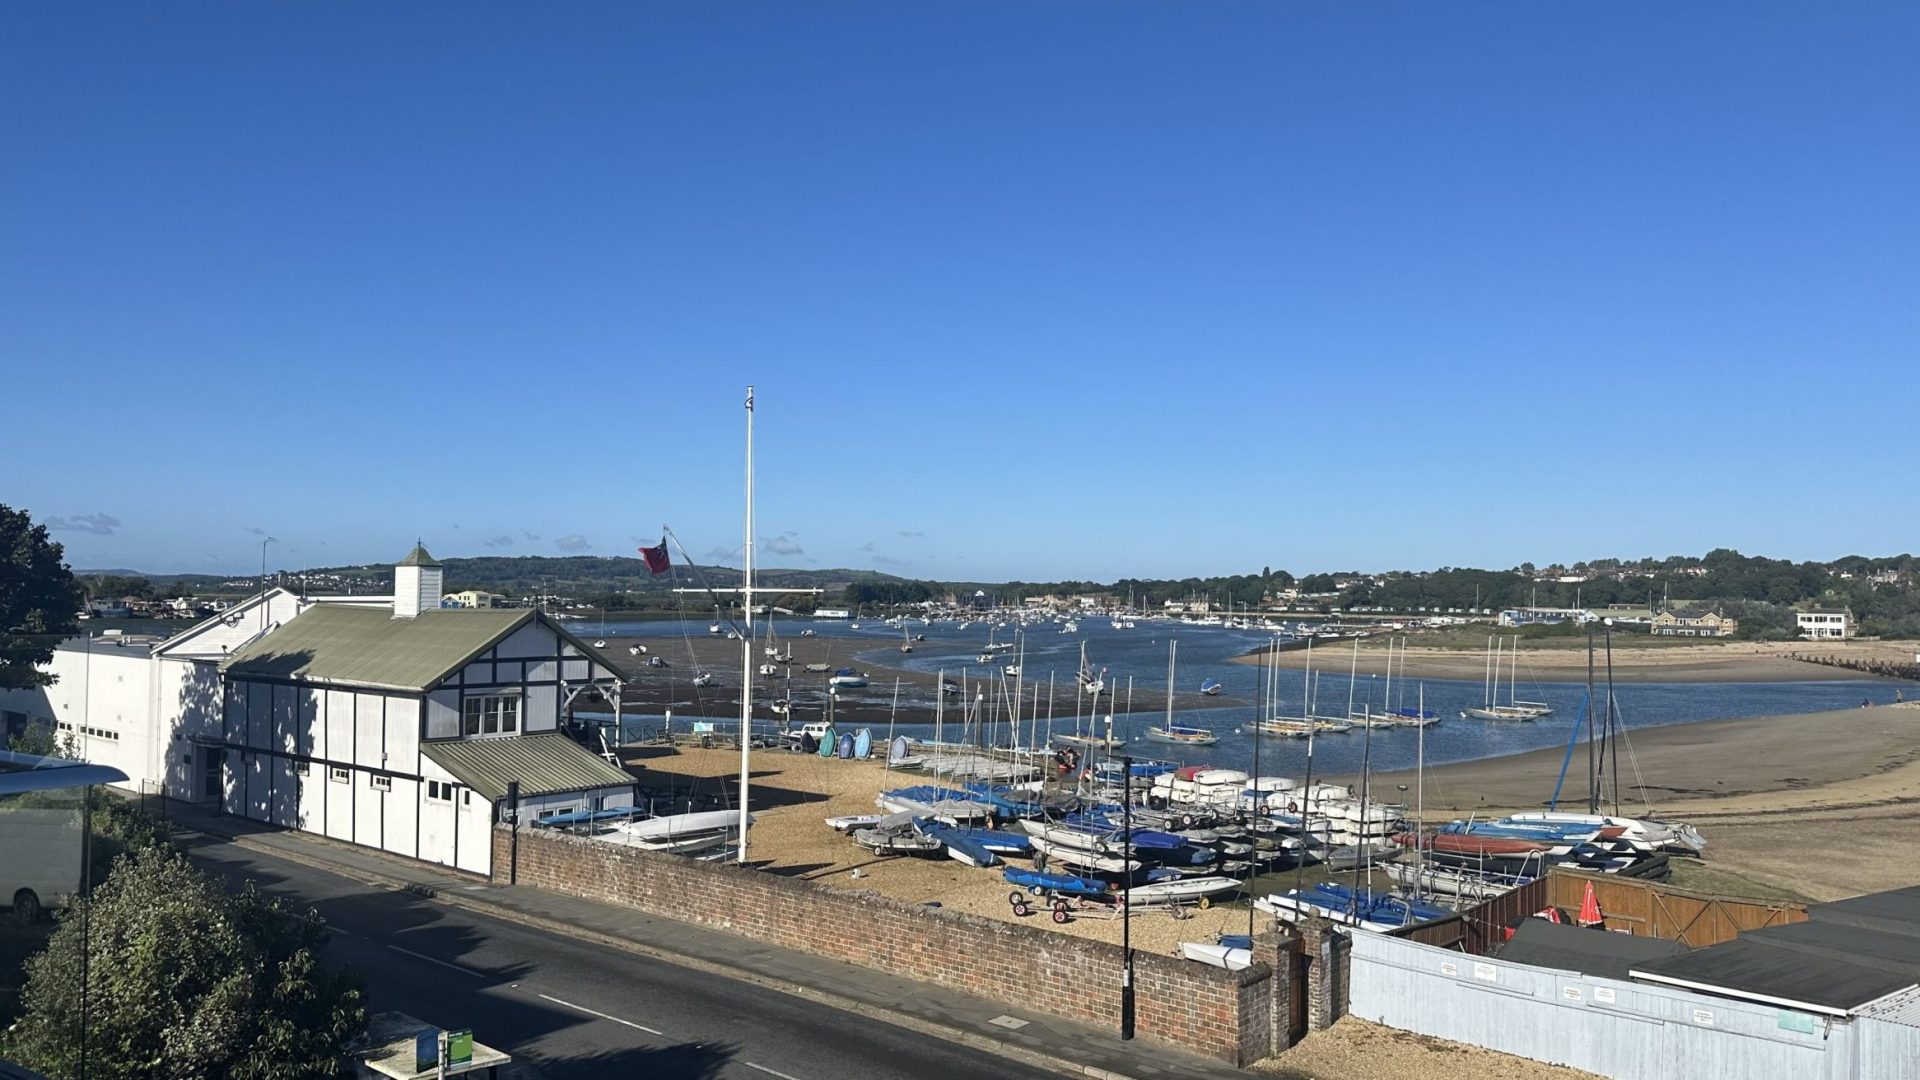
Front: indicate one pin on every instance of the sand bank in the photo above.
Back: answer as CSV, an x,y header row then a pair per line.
x,y
1823,804
1563,661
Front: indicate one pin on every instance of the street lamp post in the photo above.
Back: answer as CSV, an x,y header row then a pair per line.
x,y
263,583
1126,908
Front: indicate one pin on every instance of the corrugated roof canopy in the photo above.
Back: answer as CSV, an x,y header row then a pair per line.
x,y
1548,944
543,764
353,646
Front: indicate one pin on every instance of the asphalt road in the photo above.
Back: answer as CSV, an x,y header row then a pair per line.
x,y
565,1009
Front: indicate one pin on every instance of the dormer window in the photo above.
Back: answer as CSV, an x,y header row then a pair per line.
x,y
490,714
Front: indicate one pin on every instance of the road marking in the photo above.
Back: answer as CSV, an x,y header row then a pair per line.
x,y
442,963
770,1072
615,1019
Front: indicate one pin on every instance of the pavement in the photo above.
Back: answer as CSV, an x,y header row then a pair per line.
x,y
520,953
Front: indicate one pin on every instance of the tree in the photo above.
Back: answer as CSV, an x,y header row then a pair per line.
x,y
39,600
187,981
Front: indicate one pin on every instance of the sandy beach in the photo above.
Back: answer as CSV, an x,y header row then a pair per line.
x,y
1565,660
1774,795
1770,793
793,793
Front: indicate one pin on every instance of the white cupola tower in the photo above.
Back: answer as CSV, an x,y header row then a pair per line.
x,y
416,583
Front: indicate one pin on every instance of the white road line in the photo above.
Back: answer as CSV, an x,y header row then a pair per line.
x,y
442,963
770,1072
615,1019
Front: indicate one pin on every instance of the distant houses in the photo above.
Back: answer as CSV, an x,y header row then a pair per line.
x,y
1825,625
1694,624
1540,616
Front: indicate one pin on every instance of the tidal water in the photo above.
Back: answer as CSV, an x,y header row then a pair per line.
x,y
1205,653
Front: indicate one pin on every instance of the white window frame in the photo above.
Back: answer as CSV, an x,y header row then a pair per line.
x,y
339,775
439,791
491,715
379,783
299,768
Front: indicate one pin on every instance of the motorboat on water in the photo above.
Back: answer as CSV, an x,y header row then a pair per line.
x,y
1211,687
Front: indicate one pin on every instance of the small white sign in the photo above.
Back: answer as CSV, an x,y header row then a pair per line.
x,y
1571,993
1449,968
1486,972
1603,993
1703,1017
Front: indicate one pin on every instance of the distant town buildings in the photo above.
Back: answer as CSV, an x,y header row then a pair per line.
x,y
473,598
1544,616
1694,624
1825,625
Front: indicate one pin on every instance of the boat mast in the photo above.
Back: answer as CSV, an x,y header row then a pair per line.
x,y
1487,688
1593,777
1420,794
1353,672
1172,645
746,643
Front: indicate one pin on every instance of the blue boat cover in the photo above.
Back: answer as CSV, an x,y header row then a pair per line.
x,y
1065,883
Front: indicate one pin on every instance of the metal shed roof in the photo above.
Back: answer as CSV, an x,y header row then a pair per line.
x,y
543,764
353,646
1545,943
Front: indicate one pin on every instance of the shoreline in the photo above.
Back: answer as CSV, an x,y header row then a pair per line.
x,y
1731,662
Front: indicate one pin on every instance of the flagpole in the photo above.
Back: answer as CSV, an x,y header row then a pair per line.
x,y
746,643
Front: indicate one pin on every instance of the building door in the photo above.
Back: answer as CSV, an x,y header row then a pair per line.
x,y
212,782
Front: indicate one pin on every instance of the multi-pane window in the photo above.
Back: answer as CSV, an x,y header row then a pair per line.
x,y
439,792
383,783
490,714
339,776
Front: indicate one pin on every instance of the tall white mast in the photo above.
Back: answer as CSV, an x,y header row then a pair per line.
x,y
746,641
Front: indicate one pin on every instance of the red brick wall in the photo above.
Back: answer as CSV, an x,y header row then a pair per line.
x,y
1218,1013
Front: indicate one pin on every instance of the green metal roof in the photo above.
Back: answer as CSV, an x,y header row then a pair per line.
x,y
418,557
367,646
543,764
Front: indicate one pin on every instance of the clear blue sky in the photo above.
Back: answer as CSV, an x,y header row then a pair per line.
x,y
1028,290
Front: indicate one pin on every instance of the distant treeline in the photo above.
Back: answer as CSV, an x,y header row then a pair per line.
x,y
1761,592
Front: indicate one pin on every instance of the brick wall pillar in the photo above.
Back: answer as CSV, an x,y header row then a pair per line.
x,y
1327,949
1281,949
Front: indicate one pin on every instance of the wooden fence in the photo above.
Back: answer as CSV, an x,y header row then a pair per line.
x,y
1643,908
1482,928
1649,909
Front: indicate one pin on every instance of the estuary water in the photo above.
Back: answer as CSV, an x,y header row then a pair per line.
x,y
1206,653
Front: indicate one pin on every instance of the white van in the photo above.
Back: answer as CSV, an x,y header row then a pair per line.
x,y
40,858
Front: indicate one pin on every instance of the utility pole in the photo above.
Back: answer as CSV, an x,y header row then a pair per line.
x,y
263,583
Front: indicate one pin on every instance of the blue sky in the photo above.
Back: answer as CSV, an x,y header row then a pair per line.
x,y
1028,290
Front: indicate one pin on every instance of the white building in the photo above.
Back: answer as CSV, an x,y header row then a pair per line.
x,y
131,702
387,722
1825,625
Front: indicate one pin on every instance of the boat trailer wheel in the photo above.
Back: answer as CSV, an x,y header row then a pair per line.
x,y
1022,909
1203,903
1016,898
1035,890
1060,915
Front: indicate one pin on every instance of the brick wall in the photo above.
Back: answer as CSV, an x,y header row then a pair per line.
x,y
1221,1014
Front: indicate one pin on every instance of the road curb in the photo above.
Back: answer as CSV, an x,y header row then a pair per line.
x,y
949,1033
